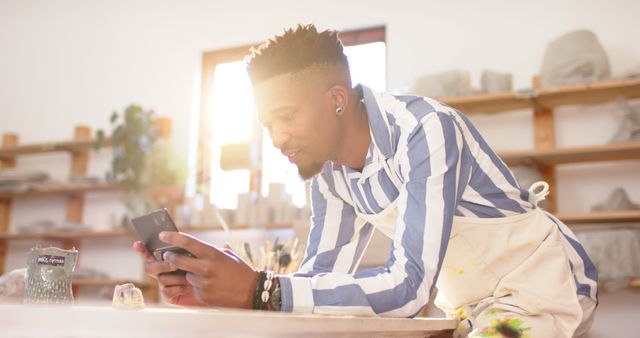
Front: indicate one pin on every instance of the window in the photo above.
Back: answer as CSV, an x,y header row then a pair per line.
x,y
228,116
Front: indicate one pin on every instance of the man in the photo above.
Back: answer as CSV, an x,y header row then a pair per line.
x,y
418,171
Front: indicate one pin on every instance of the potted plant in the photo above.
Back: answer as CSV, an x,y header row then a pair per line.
x,y
140,162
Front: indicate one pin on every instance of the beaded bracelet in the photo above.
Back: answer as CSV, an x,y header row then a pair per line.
x,y
262,295
256,295
268,282
276,298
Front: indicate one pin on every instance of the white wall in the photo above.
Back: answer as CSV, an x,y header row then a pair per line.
x,y
73,62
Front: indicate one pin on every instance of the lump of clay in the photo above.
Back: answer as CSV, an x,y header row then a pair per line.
x,y
12,286
629,129
618,200
496,82
574,58
445,84
127,296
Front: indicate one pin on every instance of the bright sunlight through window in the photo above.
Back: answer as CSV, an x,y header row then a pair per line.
x,y
234,120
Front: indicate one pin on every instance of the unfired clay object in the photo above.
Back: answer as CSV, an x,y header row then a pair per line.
x,y
574,58
12,286
128,297
629,130
618,200
445,84
496,82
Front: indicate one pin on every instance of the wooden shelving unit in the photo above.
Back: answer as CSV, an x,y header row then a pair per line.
x,y
545,155
108,282
591,93
487,103
148,287
196,228
602,217
60,189
598,153
70,235
547,98
65,235
79,149
10,151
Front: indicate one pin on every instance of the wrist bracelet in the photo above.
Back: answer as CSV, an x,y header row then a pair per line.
x,y
276,297
256,294
268,282
262,294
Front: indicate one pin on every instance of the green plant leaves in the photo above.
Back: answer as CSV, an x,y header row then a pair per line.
x,y
139,161
132,138
99,139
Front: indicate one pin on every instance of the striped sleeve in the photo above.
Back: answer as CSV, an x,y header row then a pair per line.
x,y
337,241
428,167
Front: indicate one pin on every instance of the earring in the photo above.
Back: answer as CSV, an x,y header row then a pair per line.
x,y
339,111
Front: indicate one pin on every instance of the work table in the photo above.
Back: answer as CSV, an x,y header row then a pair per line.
x,y
94,321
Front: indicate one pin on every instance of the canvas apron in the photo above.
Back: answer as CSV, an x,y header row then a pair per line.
x,y
502,274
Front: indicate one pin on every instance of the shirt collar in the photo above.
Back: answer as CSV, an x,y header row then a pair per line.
x,y
380,135
378,121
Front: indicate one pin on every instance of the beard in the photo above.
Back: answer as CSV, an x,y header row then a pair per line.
x,y
309,171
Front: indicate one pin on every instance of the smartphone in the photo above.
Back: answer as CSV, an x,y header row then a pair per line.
x,y
149,226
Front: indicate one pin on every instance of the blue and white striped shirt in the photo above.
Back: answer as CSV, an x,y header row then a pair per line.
x,y
446,169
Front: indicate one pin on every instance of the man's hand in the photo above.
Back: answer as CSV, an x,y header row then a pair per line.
x,y
218,277
173,286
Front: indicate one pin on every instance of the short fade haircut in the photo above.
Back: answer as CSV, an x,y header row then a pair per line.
x,y
295,50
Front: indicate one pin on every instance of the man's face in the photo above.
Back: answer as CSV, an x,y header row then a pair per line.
x,y
300,116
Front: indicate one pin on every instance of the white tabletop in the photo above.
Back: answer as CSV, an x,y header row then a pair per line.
x,y
93,321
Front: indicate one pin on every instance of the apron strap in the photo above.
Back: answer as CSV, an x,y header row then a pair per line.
x,y
540,196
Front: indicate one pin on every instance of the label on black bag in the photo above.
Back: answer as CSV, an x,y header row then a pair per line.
x,y
51,260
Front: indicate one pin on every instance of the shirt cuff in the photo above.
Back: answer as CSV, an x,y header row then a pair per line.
x,y
296,293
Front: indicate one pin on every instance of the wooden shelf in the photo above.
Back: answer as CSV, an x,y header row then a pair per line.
x,y
107,282
487,103
197,228
607,152
601,217
39,148
592,93
575,219
65,235
62,188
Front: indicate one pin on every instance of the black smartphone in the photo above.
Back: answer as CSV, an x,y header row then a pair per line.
x,y
149,226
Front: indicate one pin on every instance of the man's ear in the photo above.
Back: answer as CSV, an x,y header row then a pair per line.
x,y
339,96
